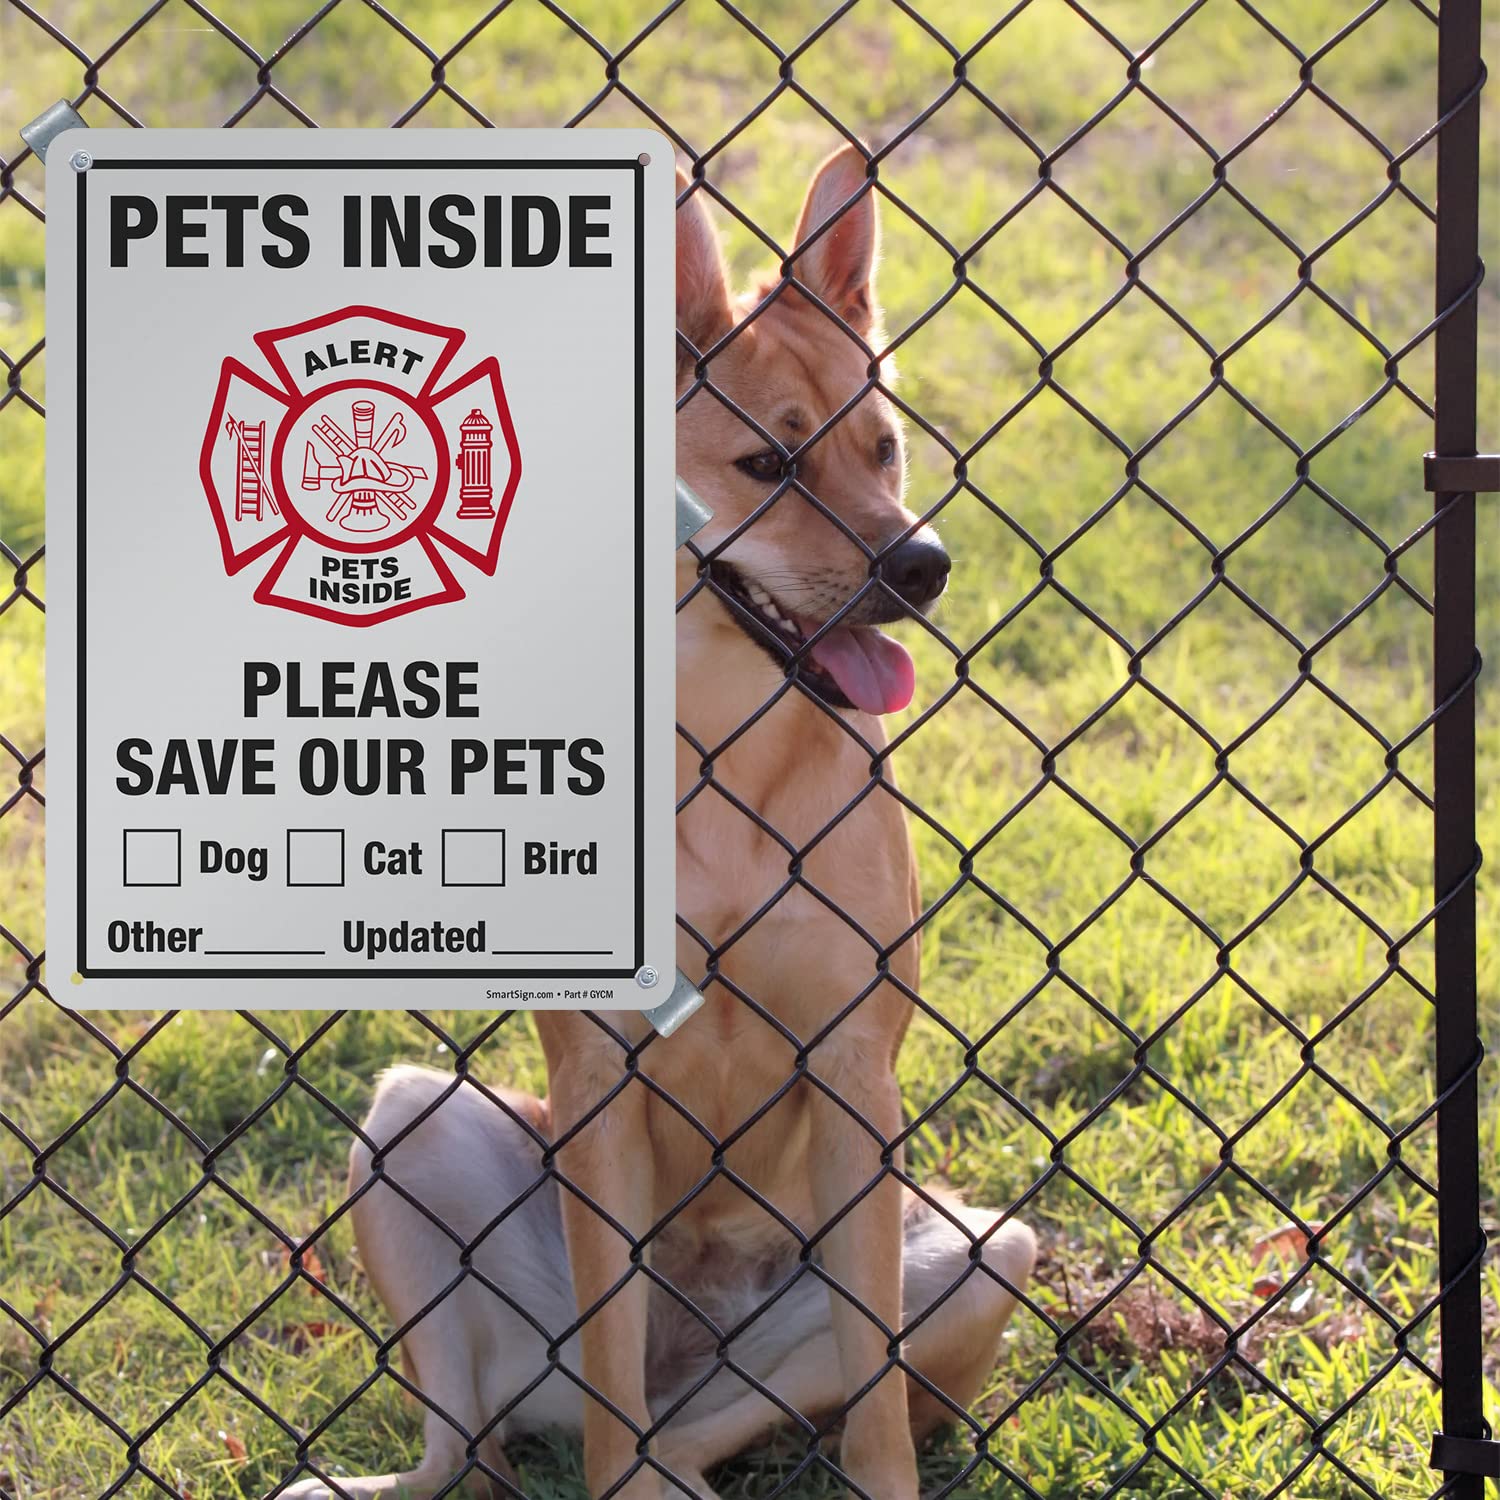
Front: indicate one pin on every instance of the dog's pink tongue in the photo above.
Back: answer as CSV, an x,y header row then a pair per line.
x,y
874,672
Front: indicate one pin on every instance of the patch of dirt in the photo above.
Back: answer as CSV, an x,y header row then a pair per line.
x,y
1150,1319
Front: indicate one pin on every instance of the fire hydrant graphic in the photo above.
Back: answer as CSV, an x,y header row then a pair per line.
x,y
475,493
370,491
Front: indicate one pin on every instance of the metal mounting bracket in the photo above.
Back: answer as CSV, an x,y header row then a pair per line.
x,y
692,516
1458,474
1457,1455
677,1007
50,124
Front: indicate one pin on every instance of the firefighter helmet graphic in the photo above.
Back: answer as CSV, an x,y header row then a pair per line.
x,y
360,467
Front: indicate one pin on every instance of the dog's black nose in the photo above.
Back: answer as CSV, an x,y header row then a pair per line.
x,y
917,570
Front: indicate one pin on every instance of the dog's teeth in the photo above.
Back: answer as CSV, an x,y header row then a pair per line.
x,y
767,608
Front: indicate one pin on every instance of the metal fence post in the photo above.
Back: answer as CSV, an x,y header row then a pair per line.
x,y
1461,1450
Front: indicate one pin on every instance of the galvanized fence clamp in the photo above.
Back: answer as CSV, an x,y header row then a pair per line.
x,y
692,516
50,124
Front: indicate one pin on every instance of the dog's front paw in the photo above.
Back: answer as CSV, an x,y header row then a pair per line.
x,y
306,1489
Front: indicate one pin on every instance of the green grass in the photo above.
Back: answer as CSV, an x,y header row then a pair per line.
x,y
1071,1029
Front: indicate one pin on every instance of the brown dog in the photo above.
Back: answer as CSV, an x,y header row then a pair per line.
x,y
781,1276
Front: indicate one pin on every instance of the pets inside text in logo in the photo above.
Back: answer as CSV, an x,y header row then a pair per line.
x,y
361,466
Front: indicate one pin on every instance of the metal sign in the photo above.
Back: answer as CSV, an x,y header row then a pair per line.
x,y
360,519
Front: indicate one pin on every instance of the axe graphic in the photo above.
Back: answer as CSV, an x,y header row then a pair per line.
x,y
314,473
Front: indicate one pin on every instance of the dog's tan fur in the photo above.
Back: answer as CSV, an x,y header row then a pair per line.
x,y
639,1158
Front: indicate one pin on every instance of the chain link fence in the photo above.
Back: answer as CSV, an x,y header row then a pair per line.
x,y
1159,281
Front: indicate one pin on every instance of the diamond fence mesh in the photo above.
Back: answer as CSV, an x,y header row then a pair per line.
x,y
1159,282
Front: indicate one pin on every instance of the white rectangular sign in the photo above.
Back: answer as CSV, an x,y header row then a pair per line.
x,y
360,524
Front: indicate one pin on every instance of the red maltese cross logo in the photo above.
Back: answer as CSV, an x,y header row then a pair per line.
x,y
360,468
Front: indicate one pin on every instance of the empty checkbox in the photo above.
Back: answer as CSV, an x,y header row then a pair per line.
x,y
473,856
314,856
153,856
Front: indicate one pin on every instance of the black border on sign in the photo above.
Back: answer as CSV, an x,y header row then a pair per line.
x,y
388,164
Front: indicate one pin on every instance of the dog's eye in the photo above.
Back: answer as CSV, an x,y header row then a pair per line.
x,y
766,465
885,450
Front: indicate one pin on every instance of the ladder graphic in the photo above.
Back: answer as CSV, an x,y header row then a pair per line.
x,y
250,488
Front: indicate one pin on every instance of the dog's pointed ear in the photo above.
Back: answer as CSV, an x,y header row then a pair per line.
x,y
704,314
839,267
